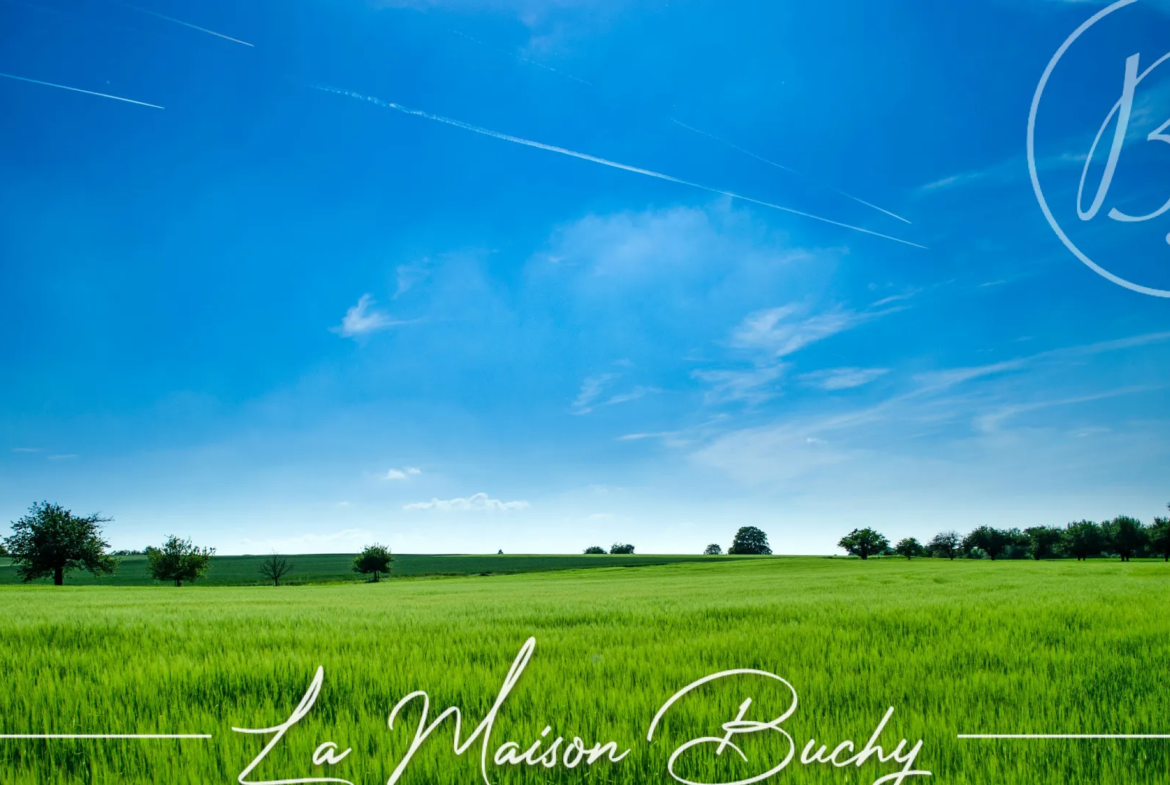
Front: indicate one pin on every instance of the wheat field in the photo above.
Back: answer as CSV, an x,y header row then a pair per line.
x,y
954,647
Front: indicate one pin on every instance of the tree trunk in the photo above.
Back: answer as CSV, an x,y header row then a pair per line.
x,y
178,582
59,576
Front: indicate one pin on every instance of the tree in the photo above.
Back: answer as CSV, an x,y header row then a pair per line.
x,y
990,540
622,549
713,550
944,545
373,560
178,560
1082,539
1042,541
274,568
1124,535
750,541
51,540
908,547
1159,533
864,543
594,549
3,550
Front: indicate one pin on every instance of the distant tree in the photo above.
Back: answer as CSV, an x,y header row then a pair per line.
x,y
864,543
500,552
373,560
1042,541
713,550
178,560
274,568
1159,533
1082,539
908,547
750,541
594,549
1124,535
622,549
51,541
990,540
128,552
3,550
945,545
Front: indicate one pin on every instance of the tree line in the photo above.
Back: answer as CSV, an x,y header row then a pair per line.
x,y
51,541
1123,537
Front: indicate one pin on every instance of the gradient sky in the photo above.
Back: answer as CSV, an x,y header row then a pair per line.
x,y
272,315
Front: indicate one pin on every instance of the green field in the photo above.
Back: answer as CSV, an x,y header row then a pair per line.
x,y
338,567
956,647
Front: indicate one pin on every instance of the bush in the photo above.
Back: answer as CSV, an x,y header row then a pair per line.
x,y
594,549
622,549
713,550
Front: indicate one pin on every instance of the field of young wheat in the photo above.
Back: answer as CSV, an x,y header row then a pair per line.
x,y
965,647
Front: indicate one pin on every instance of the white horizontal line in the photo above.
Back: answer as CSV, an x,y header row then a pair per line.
x,y
1064,735
105,735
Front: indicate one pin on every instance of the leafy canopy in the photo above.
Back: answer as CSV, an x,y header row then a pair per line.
x,y
178,560
864,543
713,550
750,541
945,545
373,560
52,541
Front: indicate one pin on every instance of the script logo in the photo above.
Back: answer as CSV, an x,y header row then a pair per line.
x,y
1119,118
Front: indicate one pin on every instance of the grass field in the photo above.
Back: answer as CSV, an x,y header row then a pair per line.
x,y
955,647
338,567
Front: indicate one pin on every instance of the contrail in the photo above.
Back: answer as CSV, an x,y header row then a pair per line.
x,y
521,58
184,24
79,90
596,160
734,146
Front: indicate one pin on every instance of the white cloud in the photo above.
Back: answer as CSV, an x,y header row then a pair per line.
x,y
842,378
477,503
591,389
752,386
784,330
403,473
362,319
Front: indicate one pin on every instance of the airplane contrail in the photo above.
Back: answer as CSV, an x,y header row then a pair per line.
x,y
79,90
604,162
184,24
734,146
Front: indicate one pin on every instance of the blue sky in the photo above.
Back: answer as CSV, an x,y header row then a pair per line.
x,y
272,315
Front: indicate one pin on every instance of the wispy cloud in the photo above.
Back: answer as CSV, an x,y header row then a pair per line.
x,y
782,331
363,318
752,386
842,378
591,389
26,449
63,457
480,502
403,473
